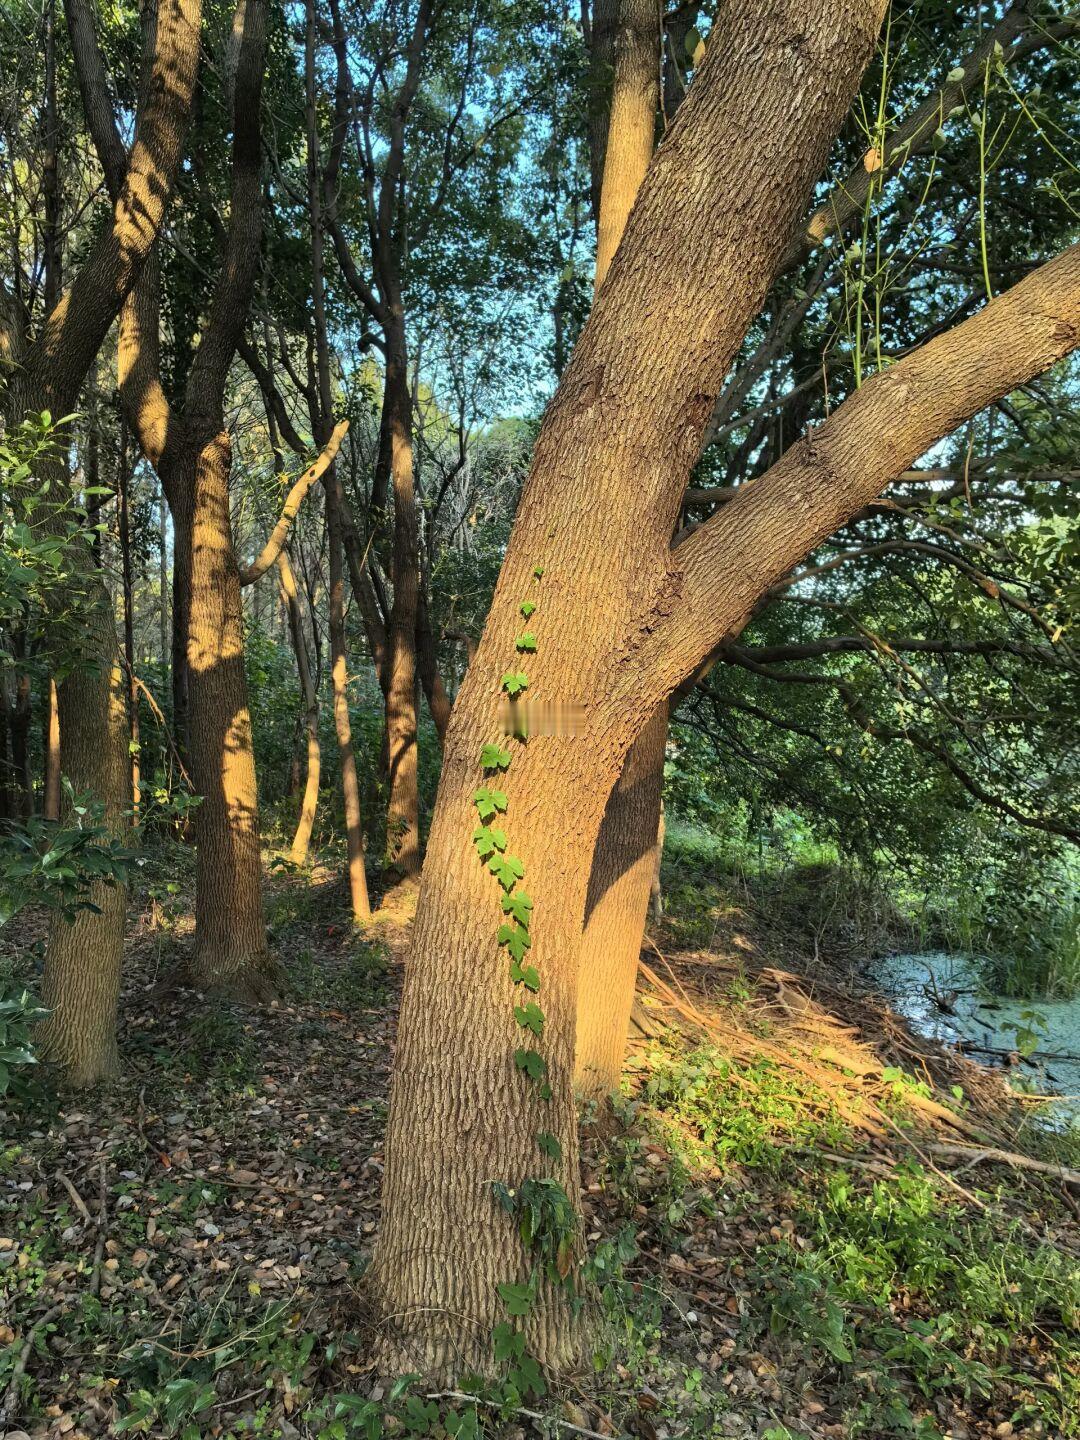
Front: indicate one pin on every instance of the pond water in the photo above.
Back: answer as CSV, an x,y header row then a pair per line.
x,y
943,997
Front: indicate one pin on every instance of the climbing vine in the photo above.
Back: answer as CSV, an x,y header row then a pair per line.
x,y
547,1221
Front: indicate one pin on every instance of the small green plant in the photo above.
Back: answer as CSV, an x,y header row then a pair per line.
x,y
19,1013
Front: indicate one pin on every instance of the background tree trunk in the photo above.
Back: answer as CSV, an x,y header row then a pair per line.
x,y
403,806
623,872
635,98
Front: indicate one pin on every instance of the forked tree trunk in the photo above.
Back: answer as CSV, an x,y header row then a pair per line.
x,y
403,805
617,444
230,951
623,875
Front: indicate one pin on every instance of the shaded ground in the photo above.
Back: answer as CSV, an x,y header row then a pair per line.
x,y
781,1251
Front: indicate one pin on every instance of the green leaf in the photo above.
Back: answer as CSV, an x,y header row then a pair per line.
x,y
530,1063
549,1144
526,975
507,869
525,641
530,1017
488,802
527,607
488,839
528,1377
518,1299
509,1344
538,572
494,757
517,941
514,682
519,905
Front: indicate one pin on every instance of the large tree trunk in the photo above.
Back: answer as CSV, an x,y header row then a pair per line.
x,y
623,874
230,933
616,446
403,806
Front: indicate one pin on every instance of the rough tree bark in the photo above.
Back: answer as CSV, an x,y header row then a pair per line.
x,y
617,444
622,619
82,962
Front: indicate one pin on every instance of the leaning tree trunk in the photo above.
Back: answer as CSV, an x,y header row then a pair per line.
x,y
616,448
230,953
623,875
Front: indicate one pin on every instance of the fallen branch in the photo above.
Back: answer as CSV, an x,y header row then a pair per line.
x,y
990,1156
295,498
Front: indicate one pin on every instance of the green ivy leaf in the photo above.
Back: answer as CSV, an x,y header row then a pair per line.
x,y
527,607
494,757
507,869
530,1017
530,1063
518,1299
545,1091
509,1344
525,641
517,941
519,905
538,572
549,1144
488,802
514,682
528,1377
487,839
526,975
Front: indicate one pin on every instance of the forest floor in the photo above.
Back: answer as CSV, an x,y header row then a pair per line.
x,y
798,1228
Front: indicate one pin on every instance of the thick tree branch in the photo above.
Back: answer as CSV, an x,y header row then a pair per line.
x,y
722,569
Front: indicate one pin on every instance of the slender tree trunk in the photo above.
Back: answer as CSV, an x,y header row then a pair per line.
x,y
350,787
230,952
403,807
123,486
301,844
163,578
20,745
623,873
178,657
334,506
7,810
439,702
50,806
635,97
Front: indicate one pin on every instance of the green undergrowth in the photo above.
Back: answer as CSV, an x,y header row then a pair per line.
x,y
788,1276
